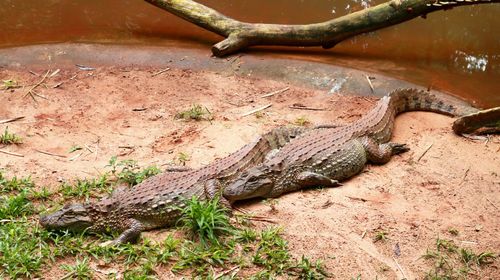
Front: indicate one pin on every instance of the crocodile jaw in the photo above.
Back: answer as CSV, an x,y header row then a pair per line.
x,y
74,217
253,184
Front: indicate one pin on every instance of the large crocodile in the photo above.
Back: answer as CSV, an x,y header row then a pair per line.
x,y
325,157
156,202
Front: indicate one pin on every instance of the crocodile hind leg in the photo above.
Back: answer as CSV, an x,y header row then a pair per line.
x,y
130,235
382,153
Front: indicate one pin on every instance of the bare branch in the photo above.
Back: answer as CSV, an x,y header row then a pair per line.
x,y
240,35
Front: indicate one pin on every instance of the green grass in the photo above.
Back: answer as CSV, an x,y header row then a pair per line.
x,y
302,121
207,241
182,158
23,249
14,183
87,187
310,270
16,205
380,236
80,270
212,242
453,262
206,220
129,172
196,113
9,84
8,138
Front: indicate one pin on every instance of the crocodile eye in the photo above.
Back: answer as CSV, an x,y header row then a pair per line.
x,y
252,179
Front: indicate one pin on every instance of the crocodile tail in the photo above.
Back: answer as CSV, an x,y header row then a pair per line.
x,y
411,99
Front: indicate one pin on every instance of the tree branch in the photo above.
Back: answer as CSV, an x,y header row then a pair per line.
x,y
240,35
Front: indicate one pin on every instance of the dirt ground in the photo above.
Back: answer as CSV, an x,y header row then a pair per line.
x,y
443,182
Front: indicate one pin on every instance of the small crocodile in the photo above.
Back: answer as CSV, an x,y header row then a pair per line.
x,y
325,157
156,202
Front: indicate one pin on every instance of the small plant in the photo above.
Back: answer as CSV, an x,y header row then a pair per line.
x,y
380,236
272,251
130,172
452,262
9,84
453,231
310,271
86,188
10,138
246,235
14,206
23,247
14,184
80,270
448,245
206,219
302,121
42,194
259,115
182,158
196,112
199,257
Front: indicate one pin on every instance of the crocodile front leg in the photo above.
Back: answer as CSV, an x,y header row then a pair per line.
x,y
310,179
382,153
131,234
213,188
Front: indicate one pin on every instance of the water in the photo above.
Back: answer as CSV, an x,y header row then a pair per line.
x,y
456,50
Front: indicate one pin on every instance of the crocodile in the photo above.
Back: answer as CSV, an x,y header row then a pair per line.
x,y
156,202
327,157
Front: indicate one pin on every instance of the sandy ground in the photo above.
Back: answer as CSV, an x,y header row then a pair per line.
x,y
128,112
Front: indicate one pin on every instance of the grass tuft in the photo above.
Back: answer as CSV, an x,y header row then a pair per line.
x,y
9,84
129,172
14,183
80,270
452,262
8,138
196,113
380,236
302,121
206,220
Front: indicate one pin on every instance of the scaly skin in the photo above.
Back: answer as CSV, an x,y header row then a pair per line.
x,y
325,157
156,201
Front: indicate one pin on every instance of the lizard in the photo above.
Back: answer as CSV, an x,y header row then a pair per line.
x,y
327,157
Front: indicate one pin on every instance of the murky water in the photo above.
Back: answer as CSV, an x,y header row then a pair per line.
x,y
456,50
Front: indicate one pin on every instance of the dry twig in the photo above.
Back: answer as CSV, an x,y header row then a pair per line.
x,y
302,107
275,92
11,153
492,203
400,269
11,119
50,154
161,71
370,83
31,92
425,152
256,110
465,176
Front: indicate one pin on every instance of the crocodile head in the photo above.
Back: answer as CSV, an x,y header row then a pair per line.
x,y
74,217
255,182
